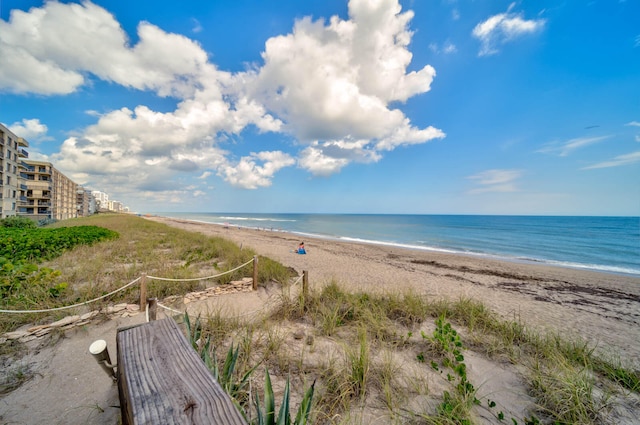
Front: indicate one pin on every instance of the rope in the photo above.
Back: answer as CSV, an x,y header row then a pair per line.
x,y
124,287
297,281
74,305
170,309
200,278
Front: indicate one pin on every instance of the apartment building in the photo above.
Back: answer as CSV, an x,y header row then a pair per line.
x,y
86,204
49,193
12,186
102,200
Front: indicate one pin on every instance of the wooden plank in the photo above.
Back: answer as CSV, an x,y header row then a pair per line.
x,y
162,380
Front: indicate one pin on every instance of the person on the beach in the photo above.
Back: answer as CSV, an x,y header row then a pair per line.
x,y
301,249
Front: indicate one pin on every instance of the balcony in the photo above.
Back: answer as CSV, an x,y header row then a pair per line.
x,y
23,153
24,187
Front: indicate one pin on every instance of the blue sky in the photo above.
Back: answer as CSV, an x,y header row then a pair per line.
x,y
367,106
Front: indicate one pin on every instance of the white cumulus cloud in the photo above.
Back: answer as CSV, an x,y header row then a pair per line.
x,y
30,130
255,170
335,87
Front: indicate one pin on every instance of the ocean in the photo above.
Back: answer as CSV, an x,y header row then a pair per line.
x,y
606,244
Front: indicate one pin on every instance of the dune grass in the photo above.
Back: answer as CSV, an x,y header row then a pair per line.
x,y
367,348
143,246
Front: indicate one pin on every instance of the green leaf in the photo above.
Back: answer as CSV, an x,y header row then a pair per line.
x,y
283,415
269,402
305,406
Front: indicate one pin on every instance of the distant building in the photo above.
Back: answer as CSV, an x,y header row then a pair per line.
x,y
86,204
12,187
49,193
116,206
102,200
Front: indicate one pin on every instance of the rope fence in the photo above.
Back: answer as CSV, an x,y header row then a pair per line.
x,y
153,303
201,278
74,305
143,289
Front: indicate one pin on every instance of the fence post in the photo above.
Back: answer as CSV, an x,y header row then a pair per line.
x,y
143,292
305,284
153,308
255,272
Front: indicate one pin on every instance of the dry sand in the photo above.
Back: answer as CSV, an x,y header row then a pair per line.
x,y
69,388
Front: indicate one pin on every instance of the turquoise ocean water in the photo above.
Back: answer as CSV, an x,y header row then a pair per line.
x,y
607,244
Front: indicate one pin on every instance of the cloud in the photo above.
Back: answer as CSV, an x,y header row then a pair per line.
x,y
31,130
630,158
197,27
447,48
566,148
633,124
326,158
503,28
63,42
495,181
334,87
328,81
249,175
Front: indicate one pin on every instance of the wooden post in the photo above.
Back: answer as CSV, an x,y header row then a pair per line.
x,y
305,284
143,292
255,272
153,308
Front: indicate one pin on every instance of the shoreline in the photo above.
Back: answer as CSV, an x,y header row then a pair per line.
x,y
603,308
598,268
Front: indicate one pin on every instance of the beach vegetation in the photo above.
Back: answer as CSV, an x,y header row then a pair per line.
x,y
17,222
367,378
116,249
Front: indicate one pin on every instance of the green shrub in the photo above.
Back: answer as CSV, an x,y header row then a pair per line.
x,y
34,244
18,222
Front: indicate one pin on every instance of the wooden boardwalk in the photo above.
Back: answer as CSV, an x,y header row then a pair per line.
x,y
162,380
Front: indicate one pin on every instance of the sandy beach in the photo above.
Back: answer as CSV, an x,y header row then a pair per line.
x,y
602,308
